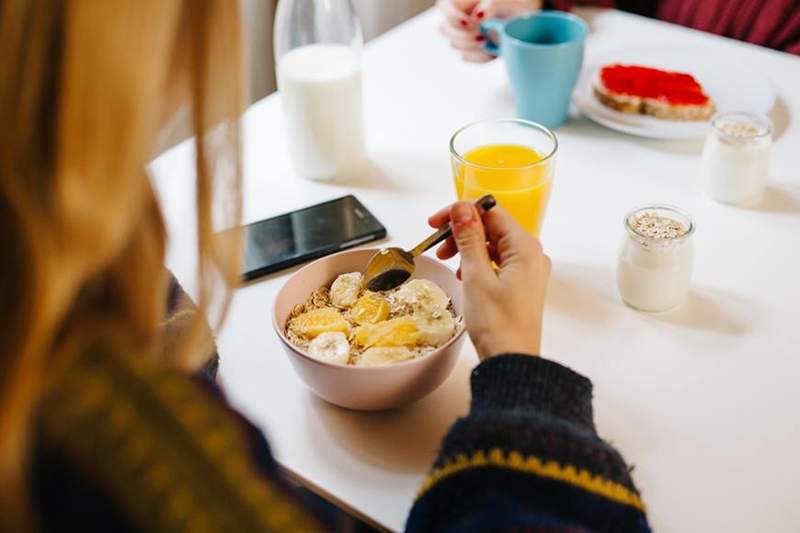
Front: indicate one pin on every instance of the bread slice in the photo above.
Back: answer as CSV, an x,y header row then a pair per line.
x,y
623,103
663,94
668,111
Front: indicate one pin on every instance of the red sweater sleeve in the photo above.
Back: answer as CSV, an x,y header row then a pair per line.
x,y
567,5
771,23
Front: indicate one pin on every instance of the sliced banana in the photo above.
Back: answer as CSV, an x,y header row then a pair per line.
x,y
331,348
422,295
346,289
437,327
384,356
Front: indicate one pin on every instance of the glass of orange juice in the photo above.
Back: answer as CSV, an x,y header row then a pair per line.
x,y
512,159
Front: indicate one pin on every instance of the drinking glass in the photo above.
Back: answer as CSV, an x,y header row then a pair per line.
x,y
512,159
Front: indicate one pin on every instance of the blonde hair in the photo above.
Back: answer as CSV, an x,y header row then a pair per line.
x,y
82,85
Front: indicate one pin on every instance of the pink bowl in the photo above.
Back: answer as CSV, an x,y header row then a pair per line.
x,y
367,388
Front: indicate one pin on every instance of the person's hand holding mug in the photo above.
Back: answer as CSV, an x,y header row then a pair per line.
x,y
464,17
503,308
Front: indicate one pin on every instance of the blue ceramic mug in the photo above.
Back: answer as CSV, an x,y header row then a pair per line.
x,y
544,54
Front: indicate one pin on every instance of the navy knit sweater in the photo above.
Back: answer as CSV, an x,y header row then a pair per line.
x,y
527,458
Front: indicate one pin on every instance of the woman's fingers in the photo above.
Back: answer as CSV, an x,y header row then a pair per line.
x,y
507,237
461,28
439,218
492,247
500,223
470,239
457,12
495,227
447,250
476,56
464,17
486,9
462,39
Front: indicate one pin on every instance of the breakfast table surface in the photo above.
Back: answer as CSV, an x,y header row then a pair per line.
x,y
702,400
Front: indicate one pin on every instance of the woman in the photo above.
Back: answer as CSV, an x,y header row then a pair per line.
x,y
771,23
101,427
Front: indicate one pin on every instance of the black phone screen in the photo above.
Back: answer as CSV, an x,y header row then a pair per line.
x,y
309,233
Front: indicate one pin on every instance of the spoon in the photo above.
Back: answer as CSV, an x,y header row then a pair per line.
x,y
390,267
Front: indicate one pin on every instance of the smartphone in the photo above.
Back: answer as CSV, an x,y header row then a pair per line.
x,y
309,233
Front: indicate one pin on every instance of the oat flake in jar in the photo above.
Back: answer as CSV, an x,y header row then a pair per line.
x,y
736,157
655,262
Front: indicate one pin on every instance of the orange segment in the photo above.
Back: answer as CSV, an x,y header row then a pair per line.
x,y
319,321
400,331
370,309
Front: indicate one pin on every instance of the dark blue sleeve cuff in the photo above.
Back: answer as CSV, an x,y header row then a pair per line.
x,y
517,381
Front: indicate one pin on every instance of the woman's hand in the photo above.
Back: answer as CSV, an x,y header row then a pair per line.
x,y
503,308
464,17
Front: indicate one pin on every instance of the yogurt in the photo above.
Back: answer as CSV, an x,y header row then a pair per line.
x,y
320,90
736,157
654,272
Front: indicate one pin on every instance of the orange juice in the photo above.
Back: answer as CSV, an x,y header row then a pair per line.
x,y
510,173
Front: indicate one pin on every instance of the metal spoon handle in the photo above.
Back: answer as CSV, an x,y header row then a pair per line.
x,y
484,203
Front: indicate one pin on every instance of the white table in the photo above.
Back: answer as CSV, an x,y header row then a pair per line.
x,y
703,400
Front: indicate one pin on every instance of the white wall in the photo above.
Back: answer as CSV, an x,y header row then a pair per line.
x,y
376,16
257,16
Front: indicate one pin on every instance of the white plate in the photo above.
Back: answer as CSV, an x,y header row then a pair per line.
x,y
732,85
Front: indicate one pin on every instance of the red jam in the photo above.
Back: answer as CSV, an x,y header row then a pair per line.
x,y
674,88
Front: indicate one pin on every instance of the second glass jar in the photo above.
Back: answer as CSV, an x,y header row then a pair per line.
x,y
656,261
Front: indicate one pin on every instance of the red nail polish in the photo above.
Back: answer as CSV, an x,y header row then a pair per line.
x,y
480,38
480,14
463,23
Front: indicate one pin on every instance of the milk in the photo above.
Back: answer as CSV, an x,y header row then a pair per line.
x,y
320,90
654,279
736,157
654,271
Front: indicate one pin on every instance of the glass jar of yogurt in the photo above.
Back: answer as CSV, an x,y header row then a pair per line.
x,y
656,259
736,157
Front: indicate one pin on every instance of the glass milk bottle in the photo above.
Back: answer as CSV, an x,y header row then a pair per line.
x,y
318,62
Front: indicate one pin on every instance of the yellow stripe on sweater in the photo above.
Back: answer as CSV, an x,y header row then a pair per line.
x,y
533,465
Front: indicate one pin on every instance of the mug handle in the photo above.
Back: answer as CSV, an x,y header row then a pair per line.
x,y
486,28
